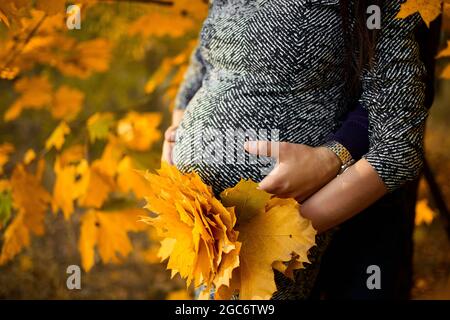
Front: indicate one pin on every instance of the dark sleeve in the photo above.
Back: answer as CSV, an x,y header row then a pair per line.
x,y
353,134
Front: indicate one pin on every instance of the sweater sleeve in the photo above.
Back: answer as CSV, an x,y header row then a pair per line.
x,y
393,92
353,133
192,81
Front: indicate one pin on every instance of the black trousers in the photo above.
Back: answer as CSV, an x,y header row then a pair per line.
x,y
382,235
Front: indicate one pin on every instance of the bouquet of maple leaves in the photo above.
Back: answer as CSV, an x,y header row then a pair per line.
x,y
231,245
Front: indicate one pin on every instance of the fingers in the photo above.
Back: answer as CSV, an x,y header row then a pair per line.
x,y
167,152
170,134
273,183
262,148
169,141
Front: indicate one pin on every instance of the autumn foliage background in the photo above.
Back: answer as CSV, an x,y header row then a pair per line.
x,y
81,109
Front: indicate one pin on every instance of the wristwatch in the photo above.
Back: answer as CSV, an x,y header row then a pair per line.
x,y
342,153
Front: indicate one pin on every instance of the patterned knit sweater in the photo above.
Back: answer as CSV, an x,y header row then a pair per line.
x,y
274,69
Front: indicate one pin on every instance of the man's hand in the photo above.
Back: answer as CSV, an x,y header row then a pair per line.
x,y
300,170
169,142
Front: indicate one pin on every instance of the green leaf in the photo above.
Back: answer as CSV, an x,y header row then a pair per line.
x,y
99,125
5,207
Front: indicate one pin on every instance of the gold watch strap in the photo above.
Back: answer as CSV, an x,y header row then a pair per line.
x,y
341,152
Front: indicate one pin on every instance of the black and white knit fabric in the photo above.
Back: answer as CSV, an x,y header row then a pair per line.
x,y
274,69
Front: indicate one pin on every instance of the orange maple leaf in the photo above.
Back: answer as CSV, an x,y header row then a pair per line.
x,y
108,231
70,184
139,131
429,10
272,231
36,93
57,137
99,185
5,150
31,200
66,103
196,230
205,242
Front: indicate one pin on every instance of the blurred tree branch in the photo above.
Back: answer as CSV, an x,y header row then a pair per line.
x,y
15,51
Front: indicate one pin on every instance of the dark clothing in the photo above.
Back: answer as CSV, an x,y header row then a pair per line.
x,y
353,133
381,236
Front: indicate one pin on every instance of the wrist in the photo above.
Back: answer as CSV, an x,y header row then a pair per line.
x,y
341,152
331,163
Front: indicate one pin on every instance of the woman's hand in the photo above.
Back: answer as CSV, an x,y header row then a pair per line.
x,y
169,142
300,170
169,136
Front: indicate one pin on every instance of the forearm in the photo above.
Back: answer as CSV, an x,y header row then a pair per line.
x,y
345,196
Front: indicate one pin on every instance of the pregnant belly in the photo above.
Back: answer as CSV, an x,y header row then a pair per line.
x,y
210,139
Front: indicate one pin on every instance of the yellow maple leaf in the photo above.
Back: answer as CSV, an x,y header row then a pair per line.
x,y
57,137
5,150
274,231
111,157
4,18
159,75
150,255
444,52
16,237
196,231
108,231
86,58
36,93
244,199
175,21
203,242
182,294
100,184
160,23
429,10
139,131
51,6
445,74
66,103
129,179
29,156
12,10
424,214
70,184
30,196
72,154
31,200
164,72
5,185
